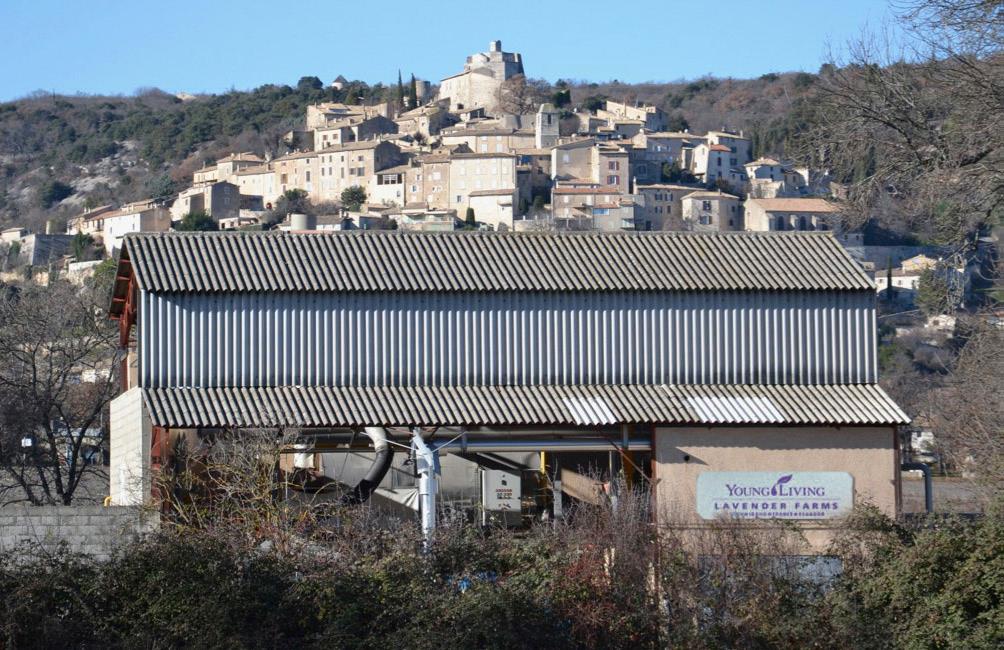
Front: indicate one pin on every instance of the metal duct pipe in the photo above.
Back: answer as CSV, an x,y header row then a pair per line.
x,y
567,444
427,466
928,484
381,465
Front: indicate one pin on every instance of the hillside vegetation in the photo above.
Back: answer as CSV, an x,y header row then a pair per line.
x,y
60,154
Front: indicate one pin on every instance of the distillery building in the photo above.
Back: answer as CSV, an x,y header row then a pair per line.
x,y
736,373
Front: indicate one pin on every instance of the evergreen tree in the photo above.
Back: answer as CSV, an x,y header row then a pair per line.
x,y
400,90
414,91
469,221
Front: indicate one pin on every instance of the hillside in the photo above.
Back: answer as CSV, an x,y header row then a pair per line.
x,y
59,154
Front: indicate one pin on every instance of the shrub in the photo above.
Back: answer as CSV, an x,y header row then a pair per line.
x,y
53,192
197,221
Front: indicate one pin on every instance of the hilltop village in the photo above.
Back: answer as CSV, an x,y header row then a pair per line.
x,y
478,154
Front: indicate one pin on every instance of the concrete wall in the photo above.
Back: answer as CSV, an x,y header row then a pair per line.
x,y
130,436
868,454
93,530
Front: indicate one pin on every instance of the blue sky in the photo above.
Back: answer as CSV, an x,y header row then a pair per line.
x,y
117,46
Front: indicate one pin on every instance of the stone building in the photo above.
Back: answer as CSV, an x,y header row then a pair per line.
x,y
662,205
485,182
488,138
765,215
480,83
711,212
352,129
650,151
347,165
651,118
140,216
220,200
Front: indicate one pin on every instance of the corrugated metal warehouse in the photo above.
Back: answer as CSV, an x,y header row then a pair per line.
x,y
738,355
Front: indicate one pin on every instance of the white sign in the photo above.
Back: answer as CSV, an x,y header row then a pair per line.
x,y
774,495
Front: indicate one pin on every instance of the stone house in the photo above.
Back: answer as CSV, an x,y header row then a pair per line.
x,y
566,199
259,181
387,186
220,200
593,162
662,205
90,222
142,216
739,146
651,118
489,138
427,120
348,165
650,151
352,129
764,215
711,162
485,182
711,212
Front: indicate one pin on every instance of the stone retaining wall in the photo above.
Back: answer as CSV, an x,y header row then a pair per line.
x,y
89,529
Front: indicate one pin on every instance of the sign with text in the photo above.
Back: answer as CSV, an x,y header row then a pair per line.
x,y
774,495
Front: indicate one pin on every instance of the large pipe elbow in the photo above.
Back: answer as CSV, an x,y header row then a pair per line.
x,y
378,470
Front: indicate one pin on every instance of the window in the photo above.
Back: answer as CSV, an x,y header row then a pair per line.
x,y
613,165
308,176
779,222
705,205
802,223
282,179
459,198
565,158
601,211
705,219
718,161
613,180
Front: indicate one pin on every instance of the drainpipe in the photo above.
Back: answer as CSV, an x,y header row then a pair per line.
x,y
928,485
427,466
381,465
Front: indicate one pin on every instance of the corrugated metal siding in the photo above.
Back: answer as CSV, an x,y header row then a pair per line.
x,y
402,261
521,405
450,339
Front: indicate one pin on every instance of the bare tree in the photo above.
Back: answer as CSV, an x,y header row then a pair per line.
x,y
520,96
970,422
58,353
920,121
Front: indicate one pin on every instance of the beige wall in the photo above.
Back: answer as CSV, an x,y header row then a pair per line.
x,y
712,212
757,219
869,454
479,172
129,443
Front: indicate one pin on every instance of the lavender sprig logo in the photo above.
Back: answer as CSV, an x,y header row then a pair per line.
x,y
781,481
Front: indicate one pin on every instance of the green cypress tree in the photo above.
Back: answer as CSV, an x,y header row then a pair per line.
x,y
400,90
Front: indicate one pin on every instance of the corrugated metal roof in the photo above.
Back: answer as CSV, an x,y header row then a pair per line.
x,y
327,406
476,261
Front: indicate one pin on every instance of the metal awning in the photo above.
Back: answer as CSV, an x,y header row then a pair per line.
x,y
599,405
